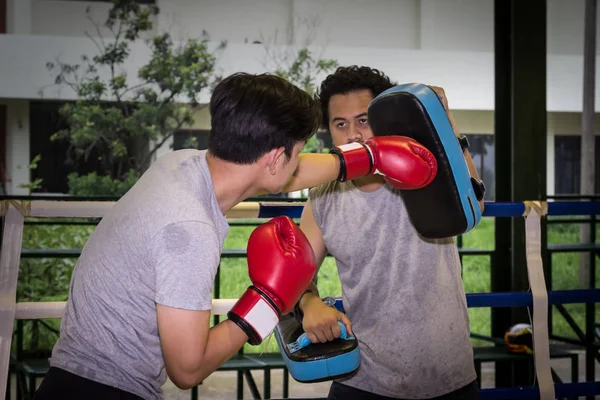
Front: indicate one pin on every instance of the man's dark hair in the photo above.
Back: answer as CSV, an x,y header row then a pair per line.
x,y
349,79
254,114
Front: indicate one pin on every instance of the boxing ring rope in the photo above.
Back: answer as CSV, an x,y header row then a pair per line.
x,y
15,212
270,209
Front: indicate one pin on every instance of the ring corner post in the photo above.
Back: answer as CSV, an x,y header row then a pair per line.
x,y
520,131
10,255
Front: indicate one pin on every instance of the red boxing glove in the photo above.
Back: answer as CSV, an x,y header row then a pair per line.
x,y
404,162
281,265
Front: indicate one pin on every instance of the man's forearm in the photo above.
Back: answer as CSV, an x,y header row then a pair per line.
x,y
307,298
314,169
224,341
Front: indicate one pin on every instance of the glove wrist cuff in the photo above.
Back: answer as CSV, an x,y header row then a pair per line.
x,y
356,160
342,173
255,314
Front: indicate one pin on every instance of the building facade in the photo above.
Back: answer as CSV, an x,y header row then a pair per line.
x,y
448,43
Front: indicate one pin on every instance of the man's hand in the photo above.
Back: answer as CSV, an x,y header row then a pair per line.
x,y
470,164
320,322
281,264
405,163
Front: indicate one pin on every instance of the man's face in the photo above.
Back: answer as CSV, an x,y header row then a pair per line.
x,y
348,117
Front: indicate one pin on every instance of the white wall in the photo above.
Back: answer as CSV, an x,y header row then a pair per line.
x,y
467,77
462,25
70,18
565,26
473,122
442,42
448,43
201,119
568,123
238,21
18,16
385,24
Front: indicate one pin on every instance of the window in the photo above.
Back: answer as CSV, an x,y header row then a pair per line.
x,y
2,16
44,121
567,164
57,159
54,165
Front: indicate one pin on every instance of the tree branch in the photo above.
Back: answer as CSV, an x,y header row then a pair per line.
x,y
88,150
97,27
134,87
100,48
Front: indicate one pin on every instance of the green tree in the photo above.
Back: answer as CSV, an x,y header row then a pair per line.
x,y
298,64
120,123
36,183
303,71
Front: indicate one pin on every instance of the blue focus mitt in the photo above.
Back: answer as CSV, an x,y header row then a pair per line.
x,y
315,362
449,205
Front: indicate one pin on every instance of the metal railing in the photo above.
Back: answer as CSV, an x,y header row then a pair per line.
x,y
586,338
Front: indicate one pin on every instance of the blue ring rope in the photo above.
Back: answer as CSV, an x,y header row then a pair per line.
x,y
521,299
492,209
525,299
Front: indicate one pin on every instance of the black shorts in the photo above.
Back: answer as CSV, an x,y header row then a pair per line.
x,y
63,385
340,391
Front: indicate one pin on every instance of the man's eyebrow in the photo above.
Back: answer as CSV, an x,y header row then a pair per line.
x,y
356,116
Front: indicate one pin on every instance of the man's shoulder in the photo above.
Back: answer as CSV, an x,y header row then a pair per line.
x,y
197,215
179,155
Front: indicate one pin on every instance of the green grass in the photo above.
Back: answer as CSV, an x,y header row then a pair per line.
x,y
565,275
476,274
47,279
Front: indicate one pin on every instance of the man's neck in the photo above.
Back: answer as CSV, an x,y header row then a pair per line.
x,y
233,183
369,183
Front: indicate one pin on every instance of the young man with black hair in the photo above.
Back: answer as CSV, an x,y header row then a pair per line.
x,y
403,295
141,293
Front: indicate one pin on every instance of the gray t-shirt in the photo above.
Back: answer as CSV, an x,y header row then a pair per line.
x,y
160,243
403,294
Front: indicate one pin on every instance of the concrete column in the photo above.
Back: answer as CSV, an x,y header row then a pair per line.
x,y
18,17
520,128
17,146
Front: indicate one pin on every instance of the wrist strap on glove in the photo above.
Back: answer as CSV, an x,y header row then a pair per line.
x,y
352,158
256,314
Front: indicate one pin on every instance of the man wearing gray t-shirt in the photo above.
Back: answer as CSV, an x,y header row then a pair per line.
x,y
403,295
141,293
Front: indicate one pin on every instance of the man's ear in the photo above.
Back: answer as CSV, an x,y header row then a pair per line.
x,y
274,157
